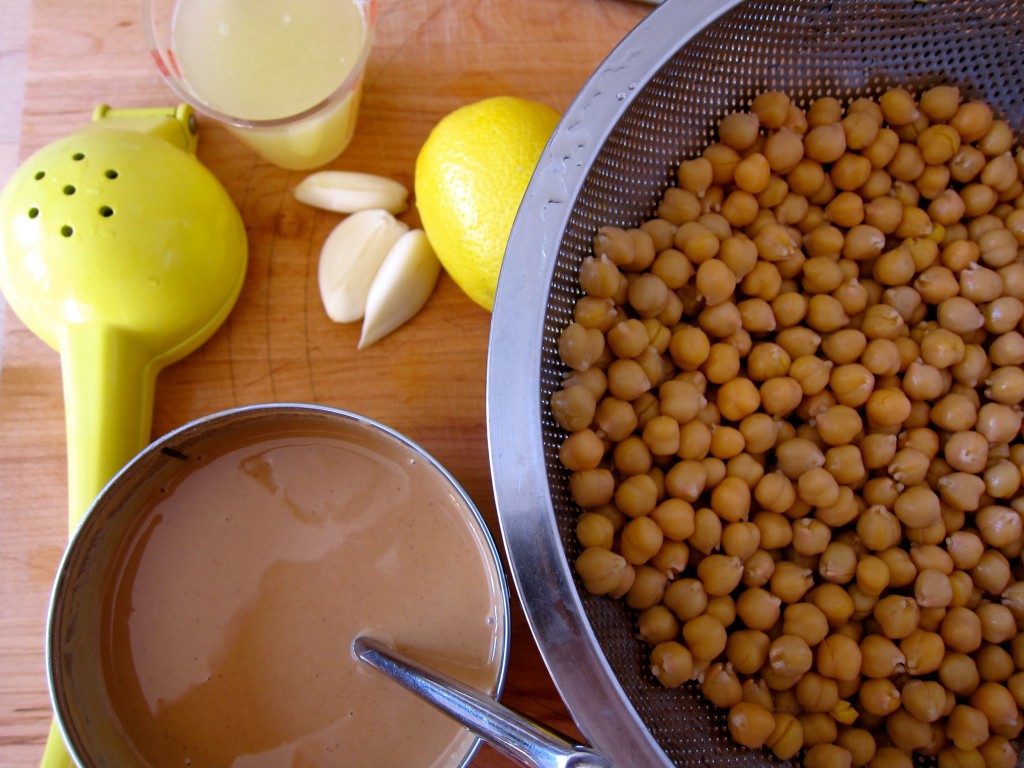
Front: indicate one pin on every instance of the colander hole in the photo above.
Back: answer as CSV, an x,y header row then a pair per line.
x,y
33,212
39,175
111,174
78,157
69,189
67,230
106,211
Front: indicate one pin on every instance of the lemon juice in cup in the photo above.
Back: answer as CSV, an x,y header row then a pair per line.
x,y
283,75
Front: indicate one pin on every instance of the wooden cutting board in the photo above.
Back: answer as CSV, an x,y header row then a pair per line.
x,y
426,380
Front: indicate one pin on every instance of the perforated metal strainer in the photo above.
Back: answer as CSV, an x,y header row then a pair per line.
x,y
653,102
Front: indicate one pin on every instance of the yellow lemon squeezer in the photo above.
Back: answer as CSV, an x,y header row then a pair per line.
x,y
124,253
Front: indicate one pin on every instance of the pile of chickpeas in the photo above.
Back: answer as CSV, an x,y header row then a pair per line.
x,y
794,428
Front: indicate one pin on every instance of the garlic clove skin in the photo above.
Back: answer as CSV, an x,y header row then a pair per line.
x,y
351,191
402,286
350,259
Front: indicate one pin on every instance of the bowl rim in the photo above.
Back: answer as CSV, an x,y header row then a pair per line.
x,y
538,564
200,430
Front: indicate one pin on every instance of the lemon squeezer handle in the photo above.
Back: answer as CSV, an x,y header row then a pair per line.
x,y
55,755
108,407
108,385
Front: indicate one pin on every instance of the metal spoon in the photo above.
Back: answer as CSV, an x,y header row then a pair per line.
x,y
511,733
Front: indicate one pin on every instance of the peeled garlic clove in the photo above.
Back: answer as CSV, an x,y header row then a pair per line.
x,y
351,191
350,259
402,286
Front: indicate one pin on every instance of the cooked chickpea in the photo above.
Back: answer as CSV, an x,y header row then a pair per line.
x,y
686,598
923,651
649,581
790,582
967,727
838,657
806,372
972,120
641,539
758,569
787,738
887,407
637,495
595,530
834,601
740,539
672,663
998,752
993,573
780,395
898,106
961,630
940,102
907,732
657,625
784,149
879,697
881,151
881,657
582,450
720,574
994,664
828,756
877,449
816,693
721,686
707,531
750,724
600,569
878,528
747,650
924,699
705,636
739,129
758,608
932,589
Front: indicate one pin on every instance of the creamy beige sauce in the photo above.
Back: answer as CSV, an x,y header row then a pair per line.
x,y
232,610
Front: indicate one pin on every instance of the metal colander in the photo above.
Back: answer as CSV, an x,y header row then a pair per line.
x,y
653,102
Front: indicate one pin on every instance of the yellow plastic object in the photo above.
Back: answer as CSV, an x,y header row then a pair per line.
x,y
124,253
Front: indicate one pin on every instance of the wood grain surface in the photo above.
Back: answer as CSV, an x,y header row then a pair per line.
x,y
426,380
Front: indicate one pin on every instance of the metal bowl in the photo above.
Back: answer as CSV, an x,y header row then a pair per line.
x,y
79,622
653,102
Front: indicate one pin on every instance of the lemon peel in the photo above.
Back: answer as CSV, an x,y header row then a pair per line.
x,y
471,175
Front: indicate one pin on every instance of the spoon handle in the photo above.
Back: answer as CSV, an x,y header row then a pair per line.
x,y
511,733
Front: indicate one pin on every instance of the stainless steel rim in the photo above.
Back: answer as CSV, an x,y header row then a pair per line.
x,y
533,545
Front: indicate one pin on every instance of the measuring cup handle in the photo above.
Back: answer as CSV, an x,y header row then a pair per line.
x,y
108,404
